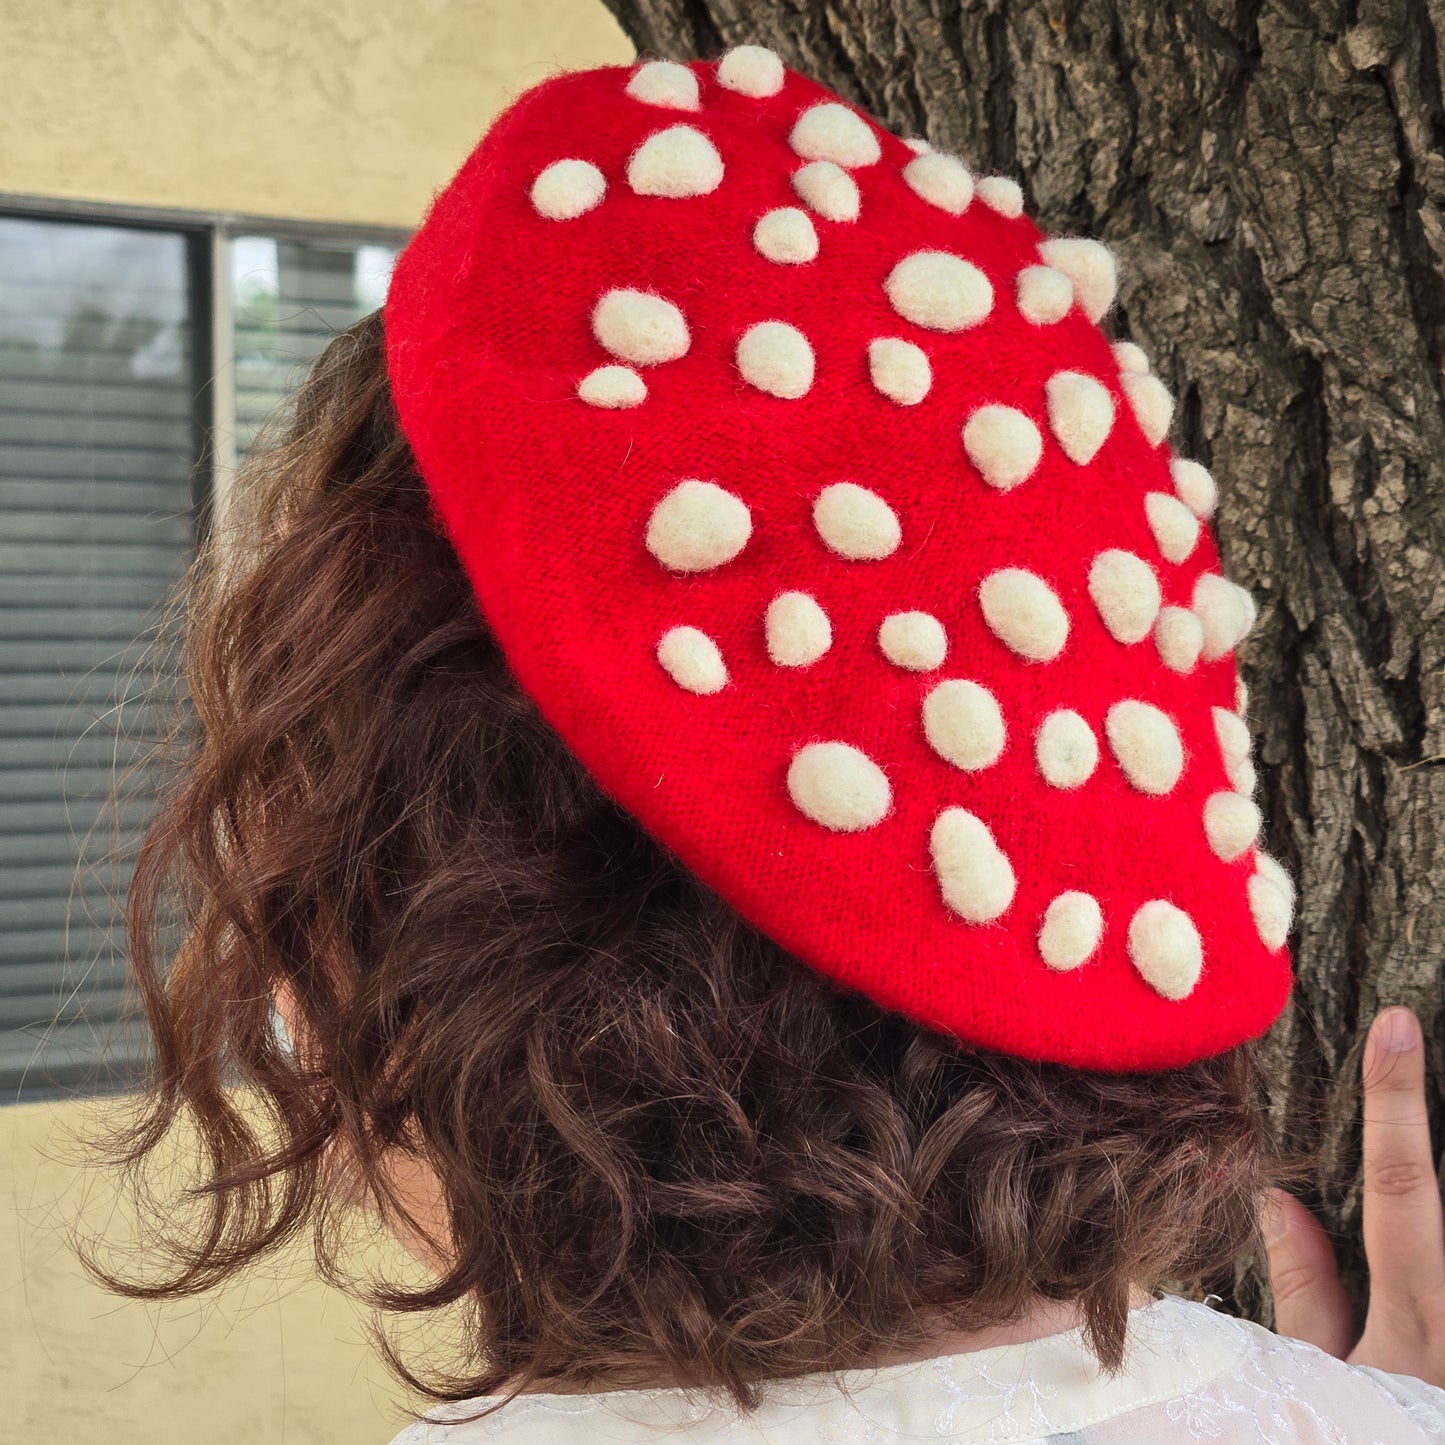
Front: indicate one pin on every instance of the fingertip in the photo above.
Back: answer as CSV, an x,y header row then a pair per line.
x,y
1274,1217
1395,1030
1288,1221
1394,1057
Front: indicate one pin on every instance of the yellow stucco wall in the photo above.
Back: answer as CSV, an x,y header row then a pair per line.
x,y
351,111
277,1358
348,110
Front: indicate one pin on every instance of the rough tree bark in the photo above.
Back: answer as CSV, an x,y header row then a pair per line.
x,y
1271,177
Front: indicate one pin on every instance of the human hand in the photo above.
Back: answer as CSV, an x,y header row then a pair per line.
x,y
1404,1227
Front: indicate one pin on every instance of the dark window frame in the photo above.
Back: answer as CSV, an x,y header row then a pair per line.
x,y
208,236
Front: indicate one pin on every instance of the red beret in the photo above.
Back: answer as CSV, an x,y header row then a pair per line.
x,y
810,502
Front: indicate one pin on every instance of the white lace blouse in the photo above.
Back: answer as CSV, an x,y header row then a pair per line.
x,y
1190,1374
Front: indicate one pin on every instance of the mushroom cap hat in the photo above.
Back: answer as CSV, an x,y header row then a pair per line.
x,y
810,500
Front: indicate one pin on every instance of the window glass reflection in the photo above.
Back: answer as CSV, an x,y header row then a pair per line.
x,y
290,298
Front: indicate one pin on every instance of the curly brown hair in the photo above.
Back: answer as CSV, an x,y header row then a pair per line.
x,y
664,1147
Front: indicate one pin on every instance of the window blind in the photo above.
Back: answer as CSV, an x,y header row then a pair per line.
x,y
290,298
97,446
102,361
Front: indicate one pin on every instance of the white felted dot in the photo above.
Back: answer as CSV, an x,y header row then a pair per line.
x,y
1130,357
1175,527
1241,695
942,181
939,290
612,386
831,131
975,878
786,235
665,83
1165,947
838,786
1003,444
798,630
639,327
692,660
1179,638
1235,742
917,145
1072,927
751,70
1081,413
1231,823
1001,194
1146,744
1066,749
1044,295
828,189
963,724
856,523
1226,612
697,526
1235,747
899,369
1272,911
1195,486
1024,613
915,640
1268,866
1126,592
776,358
1090,265
1271,900
677,162
568,189
1152,402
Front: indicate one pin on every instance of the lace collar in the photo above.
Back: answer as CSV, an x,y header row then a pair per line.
x,y
1016,1392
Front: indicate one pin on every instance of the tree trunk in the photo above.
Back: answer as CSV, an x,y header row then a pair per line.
x,y
1271,179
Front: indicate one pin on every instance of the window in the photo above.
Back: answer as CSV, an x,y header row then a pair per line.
x,y
289,299
137,359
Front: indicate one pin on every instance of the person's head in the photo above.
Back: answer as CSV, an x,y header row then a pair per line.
x,y
661,1143
630,1130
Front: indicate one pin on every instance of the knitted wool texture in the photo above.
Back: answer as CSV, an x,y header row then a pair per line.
x,y
1050,892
